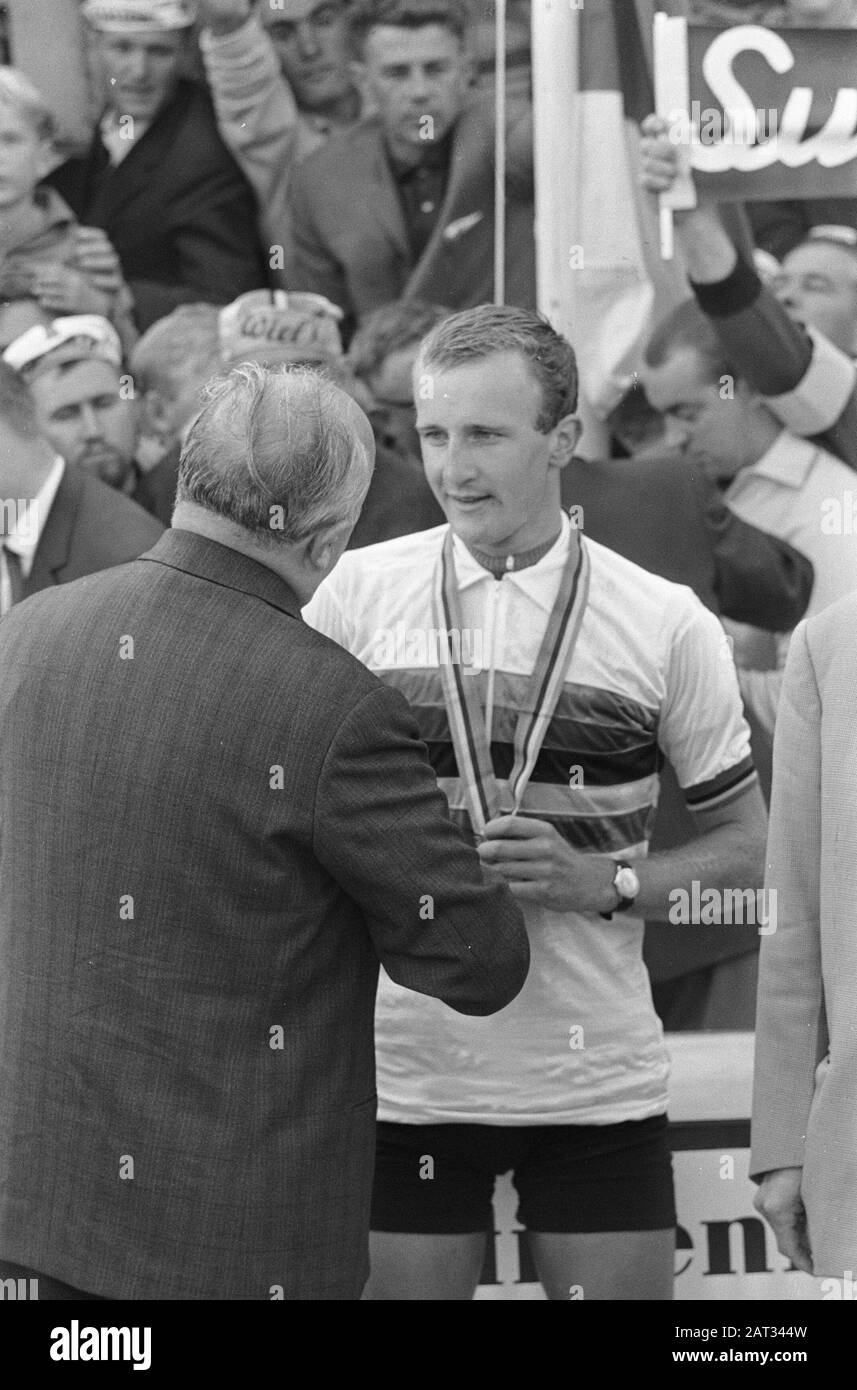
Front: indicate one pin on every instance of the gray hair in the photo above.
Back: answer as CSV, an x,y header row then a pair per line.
x,y
282,452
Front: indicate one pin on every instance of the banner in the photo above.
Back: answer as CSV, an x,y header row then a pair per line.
x,y
724,1250
766,113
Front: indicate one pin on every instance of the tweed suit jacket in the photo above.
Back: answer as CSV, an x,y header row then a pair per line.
x,y
205,849
805,1083
350,237
90,527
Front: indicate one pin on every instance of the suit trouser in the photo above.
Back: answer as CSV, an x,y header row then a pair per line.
x,y
49,1290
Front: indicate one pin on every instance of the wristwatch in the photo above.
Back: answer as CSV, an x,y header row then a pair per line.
x,y
627,886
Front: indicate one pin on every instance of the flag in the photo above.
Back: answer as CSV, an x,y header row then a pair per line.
x,y
602,281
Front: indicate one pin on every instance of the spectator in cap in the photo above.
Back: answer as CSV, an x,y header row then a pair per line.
x,y
282,81
66,523
157,176
86,406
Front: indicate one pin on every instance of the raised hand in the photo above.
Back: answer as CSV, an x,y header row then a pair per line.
x,y
658,155
61,290
98,259
223,16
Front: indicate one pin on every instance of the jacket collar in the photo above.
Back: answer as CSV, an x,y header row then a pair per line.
x,y
207,559
386,205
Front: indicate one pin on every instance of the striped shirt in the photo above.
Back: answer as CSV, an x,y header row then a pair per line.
x,y
650,677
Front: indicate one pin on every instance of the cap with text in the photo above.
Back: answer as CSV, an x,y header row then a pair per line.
x,y
273,326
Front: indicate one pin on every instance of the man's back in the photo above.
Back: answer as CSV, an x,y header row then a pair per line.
x,y
200,860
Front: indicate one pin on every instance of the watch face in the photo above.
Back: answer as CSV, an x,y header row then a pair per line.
x,y
626,883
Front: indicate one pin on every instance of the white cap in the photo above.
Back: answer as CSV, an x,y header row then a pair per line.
x,y
77,338
122,16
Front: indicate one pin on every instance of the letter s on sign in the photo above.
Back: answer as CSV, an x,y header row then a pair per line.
x,y
717,71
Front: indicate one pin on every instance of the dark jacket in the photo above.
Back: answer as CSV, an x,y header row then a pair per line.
x,y
90,527
208,844
178,209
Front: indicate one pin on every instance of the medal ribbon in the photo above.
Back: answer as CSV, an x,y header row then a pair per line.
x,y
463,707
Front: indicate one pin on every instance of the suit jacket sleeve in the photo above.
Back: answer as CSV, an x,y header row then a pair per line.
x,y
259,120
256,111
811,386
382,830
791,1029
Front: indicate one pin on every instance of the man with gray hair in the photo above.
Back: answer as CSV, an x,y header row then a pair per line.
x,y
192,916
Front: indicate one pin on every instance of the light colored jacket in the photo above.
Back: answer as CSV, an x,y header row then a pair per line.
x,y
260,122
805,1085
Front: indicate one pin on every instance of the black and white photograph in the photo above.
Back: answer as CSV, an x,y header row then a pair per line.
x,y
428,664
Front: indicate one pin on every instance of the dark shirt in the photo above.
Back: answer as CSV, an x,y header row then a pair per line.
x,y
421,188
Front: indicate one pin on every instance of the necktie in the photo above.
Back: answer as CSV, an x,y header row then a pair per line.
x,y
14,578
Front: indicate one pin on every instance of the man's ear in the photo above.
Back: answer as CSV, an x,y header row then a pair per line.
x,y
565,436
322,550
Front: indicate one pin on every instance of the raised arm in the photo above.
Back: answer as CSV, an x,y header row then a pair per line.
x,y
257,114
811,385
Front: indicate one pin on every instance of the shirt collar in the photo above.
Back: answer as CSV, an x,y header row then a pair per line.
x,y
787,462
531,581
119,140
435,155
27,532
